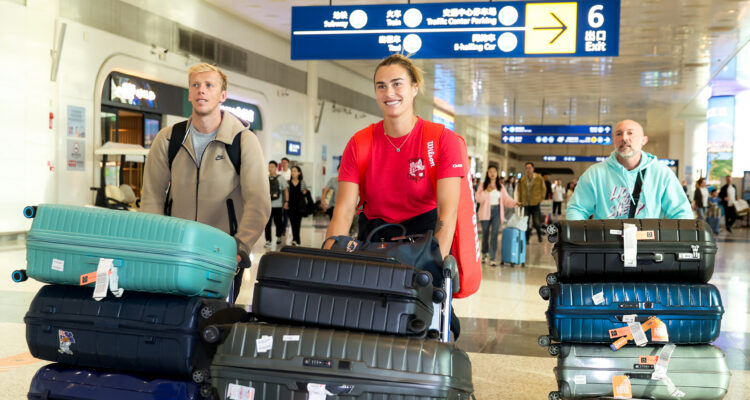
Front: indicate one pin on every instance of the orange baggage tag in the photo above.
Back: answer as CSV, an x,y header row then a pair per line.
x,y
659,331
619,332
88,278
648,360
621,388
617,345
645,235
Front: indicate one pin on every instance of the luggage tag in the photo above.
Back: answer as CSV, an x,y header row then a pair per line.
x,y
660,371
621,388
239,392
317,391
630,332
630,245
659,331
102,278
264,344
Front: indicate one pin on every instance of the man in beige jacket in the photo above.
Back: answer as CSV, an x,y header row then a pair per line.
x,y
531,191
202,181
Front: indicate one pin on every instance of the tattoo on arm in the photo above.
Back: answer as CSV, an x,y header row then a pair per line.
x,y
438,226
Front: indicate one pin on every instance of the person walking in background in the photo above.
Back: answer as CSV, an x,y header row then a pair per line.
x,y
727,196
297,192
700,198
558,196
547,186
279,190
531,192
492,198
328,198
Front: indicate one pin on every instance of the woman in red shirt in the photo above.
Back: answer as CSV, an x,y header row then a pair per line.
x,y
397,187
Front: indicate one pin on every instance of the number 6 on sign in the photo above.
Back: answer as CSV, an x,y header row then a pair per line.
x,y
596,19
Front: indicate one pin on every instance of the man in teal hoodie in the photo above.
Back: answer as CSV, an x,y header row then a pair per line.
x,y
605,190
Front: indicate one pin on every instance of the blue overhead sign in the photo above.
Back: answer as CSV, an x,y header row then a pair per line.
x,y
669,162
584,28
556,134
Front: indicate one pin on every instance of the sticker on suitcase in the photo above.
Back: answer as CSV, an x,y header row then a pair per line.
x,y
239,392
66,340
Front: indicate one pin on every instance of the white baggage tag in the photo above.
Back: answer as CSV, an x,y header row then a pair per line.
x,y
291,338
316,391
58,265
579,379
598,298
264,344
630,245
102,278
672,389
239,392
629,318
660,369
114,281
639,336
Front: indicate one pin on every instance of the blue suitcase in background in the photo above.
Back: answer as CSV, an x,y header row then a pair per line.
x,y
140,332
691,312
58,381
513,247
152,253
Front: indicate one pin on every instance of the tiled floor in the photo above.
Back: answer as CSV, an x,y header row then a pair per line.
x,y
500,324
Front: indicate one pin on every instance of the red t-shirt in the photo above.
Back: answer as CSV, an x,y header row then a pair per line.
x,y
397,185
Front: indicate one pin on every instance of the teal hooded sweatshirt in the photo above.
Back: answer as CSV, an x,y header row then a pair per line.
x,y
605,191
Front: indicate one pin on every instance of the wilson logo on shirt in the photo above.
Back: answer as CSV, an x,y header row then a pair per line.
x,y
416,169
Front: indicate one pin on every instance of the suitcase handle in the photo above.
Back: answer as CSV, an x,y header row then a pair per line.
x,y
637,319
655,257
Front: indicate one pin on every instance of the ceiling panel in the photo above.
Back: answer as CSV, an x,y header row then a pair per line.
x,y
668,52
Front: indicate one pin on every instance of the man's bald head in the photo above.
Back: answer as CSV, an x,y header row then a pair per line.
x,y
628,138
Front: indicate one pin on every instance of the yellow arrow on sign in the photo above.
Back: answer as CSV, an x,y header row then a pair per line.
x,y
562,28
551,28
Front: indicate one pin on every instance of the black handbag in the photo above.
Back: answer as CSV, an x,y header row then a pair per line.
x,y
420,251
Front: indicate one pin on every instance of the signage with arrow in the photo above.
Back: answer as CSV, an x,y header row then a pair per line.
x,y
457,30
556,134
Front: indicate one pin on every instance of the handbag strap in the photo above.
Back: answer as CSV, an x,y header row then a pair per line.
x,y
637,193
384,226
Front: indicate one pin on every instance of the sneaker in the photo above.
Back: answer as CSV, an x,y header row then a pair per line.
x,y
485,257
268,244
295,244
493,263
278,241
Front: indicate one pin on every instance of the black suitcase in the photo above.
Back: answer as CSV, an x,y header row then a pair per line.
x,y
291,363
670,250
342,290
141,332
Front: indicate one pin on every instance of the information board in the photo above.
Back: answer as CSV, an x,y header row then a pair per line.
x,y
556,134
584,28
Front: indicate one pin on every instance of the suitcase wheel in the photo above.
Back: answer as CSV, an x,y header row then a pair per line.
x,y
211,334
201,375
417,325
552,279
544,341
422,279
29,211
552,238
555,396
438,295
206,391
551,229
554,349
207,311
433,334
545,292
19,275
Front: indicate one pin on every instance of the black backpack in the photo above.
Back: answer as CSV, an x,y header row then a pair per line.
x,y
179,131
273,183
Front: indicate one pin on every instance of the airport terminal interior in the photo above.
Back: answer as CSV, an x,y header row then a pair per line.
x,y
89,83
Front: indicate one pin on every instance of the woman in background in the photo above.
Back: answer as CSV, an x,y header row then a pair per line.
x,y
297,191
492,198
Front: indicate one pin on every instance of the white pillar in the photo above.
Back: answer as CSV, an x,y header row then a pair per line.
x,y
311,109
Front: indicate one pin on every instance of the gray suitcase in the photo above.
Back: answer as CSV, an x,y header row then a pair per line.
x,y
299,361
586,371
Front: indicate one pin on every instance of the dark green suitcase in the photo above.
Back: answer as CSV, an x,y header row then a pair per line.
x,y
586,371
341,364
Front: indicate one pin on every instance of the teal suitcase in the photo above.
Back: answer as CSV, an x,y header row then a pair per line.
x,y
152,253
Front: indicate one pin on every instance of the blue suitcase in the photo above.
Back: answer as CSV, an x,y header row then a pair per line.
x,y
140,332
152,253
513,247
691,312
58,381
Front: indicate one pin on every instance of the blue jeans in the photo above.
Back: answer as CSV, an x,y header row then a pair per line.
x,y
490,231
701,212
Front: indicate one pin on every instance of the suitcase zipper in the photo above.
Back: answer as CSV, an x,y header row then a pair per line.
x,y
650,311
326,289
194,256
